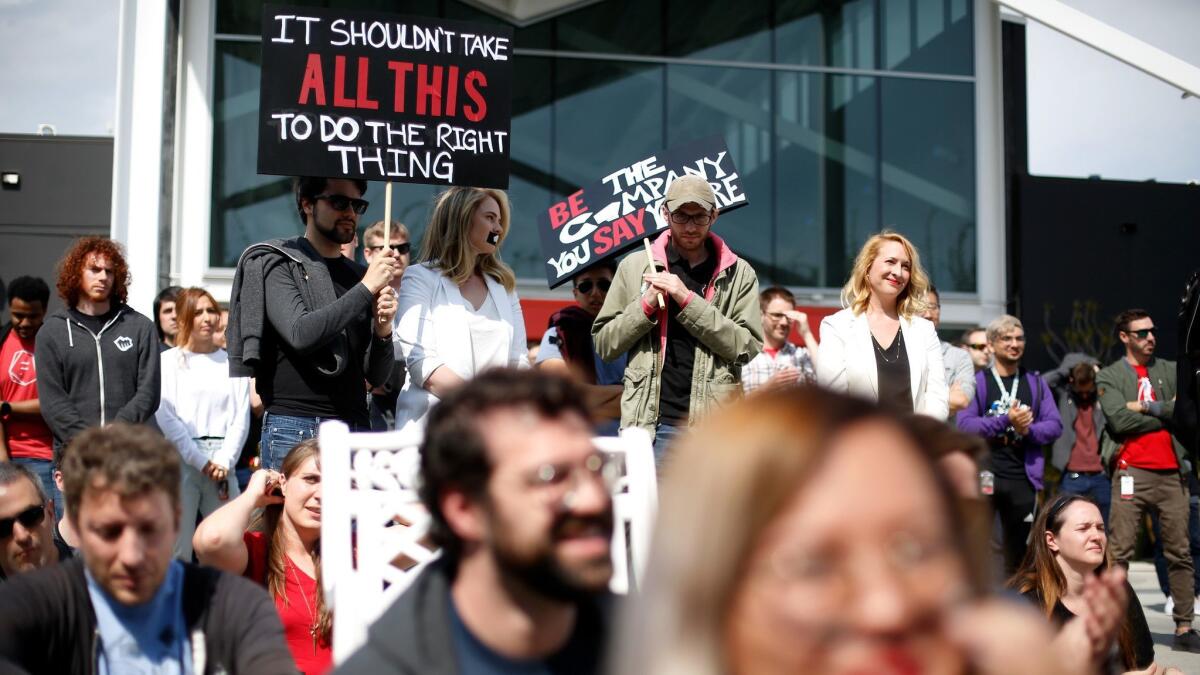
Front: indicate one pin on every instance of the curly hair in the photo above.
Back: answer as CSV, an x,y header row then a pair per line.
x,y
70,269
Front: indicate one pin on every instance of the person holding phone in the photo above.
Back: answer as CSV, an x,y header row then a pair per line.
x,y
203,411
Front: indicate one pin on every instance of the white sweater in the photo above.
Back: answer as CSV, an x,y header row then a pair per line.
x,y
200,399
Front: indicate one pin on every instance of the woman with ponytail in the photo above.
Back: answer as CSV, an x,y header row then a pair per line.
x,y
280,549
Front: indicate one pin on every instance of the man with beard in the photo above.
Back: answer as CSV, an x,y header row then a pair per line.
x,y
1014,411
310,324
522,512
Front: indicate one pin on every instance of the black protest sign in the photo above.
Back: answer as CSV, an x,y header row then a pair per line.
x,y
621,209
349,94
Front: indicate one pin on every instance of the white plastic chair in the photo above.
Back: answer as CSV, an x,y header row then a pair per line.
x,y
635,504
368,488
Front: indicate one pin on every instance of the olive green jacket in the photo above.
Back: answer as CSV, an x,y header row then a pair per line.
x,y
1116,385
725,320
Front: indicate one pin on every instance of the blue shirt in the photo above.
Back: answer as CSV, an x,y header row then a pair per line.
x,y
147,638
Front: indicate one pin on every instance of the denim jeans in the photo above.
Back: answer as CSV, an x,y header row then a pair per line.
x,y
281,433
44,469
665,436
1096,486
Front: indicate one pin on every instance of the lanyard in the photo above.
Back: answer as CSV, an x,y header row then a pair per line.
x,y
1006,398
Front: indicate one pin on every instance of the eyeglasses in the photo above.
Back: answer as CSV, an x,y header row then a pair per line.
x,y
1143,333
700,219
342,202
29,518
400,249
976,346
776,316
560,482
586,287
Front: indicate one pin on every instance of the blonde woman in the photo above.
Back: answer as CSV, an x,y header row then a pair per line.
x,y
878,347
459,312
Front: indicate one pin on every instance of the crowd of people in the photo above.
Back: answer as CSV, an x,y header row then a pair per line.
x,y
878,500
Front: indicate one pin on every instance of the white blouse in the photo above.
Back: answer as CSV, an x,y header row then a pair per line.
x,y
200,399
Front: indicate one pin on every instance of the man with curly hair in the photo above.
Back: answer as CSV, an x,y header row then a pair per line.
x,y
98,358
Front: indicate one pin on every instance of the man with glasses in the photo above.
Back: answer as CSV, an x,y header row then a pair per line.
x,y
1014,411
960,373
309,324
400,244
382,399
1148,464
521,507
974,341
567,348
27,540
781,363
685,356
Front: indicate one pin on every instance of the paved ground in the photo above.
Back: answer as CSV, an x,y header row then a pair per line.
x,y
1141,576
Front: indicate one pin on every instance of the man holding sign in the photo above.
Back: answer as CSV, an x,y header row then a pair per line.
x,y
309,324
708,329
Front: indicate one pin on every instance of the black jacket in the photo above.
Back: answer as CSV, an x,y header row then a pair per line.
x,y
47,624
413,637
1187,404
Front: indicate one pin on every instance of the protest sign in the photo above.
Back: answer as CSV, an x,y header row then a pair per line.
x,y
349,94
621,209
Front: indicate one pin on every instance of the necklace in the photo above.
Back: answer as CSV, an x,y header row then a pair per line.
x,y
312,615
883,353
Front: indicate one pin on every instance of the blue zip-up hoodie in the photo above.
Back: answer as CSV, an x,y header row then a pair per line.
x,y
87,379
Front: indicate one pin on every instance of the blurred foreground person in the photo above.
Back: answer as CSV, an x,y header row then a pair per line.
x,y
829,543
272,535
127,606
522,511
1068,574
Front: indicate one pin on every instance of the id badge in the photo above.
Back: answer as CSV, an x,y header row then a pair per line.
x,y
987,482
1126,486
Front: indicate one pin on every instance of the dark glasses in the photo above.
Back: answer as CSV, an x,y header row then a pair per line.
x,y
400,249
342,202
1143,333
29,518
586,287
977,347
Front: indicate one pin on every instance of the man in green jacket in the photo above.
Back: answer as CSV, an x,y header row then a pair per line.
x,y
1137,394
687,356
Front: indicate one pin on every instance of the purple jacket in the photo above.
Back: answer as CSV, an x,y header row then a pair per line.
x,y
1046,427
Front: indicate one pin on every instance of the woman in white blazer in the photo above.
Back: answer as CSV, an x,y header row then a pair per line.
x,y
459,313
878,347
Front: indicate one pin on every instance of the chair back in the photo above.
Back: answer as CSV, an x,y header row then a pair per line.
x,y
635,504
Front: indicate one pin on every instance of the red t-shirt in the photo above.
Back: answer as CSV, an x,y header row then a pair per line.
x,y
770,352
297,609
28,435
1153,449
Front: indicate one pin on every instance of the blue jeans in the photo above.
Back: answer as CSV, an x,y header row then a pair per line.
x,y
1160,561
281,433
1096,486
44,469
664,438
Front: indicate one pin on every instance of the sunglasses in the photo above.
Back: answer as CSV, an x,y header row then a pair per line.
x,y
29,518
1142,334
977,347
587,286
400,249
342,202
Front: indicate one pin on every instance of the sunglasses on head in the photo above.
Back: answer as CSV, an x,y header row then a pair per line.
x,y
1141,334
400,249
29,518
342,202
585,287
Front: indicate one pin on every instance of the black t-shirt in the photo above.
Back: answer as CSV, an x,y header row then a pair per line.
x,y
582,655
1007,456
297,388
676,394
1139,631
895,385
93,323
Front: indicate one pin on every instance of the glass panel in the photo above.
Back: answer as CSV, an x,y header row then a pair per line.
x,y
733,103
244,17
612,27
725,31
929,174
812,33
928,36
531,178
826,176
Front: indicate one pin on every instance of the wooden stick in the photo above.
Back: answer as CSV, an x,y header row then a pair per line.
x,y
387,223
662,304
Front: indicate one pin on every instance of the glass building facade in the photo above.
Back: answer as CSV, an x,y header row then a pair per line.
x,y
843,116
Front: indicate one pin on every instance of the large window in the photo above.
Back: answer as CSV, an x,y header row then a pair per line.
x,y
843,117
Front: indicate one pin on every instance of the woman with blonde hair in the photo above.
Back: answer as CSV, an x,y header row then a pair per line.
x,y
807,532
459,312
203,411
878,347
271,534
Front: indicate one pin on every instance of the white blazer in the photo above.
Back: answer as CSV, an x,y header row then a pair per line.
x,y
846,361
433,330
